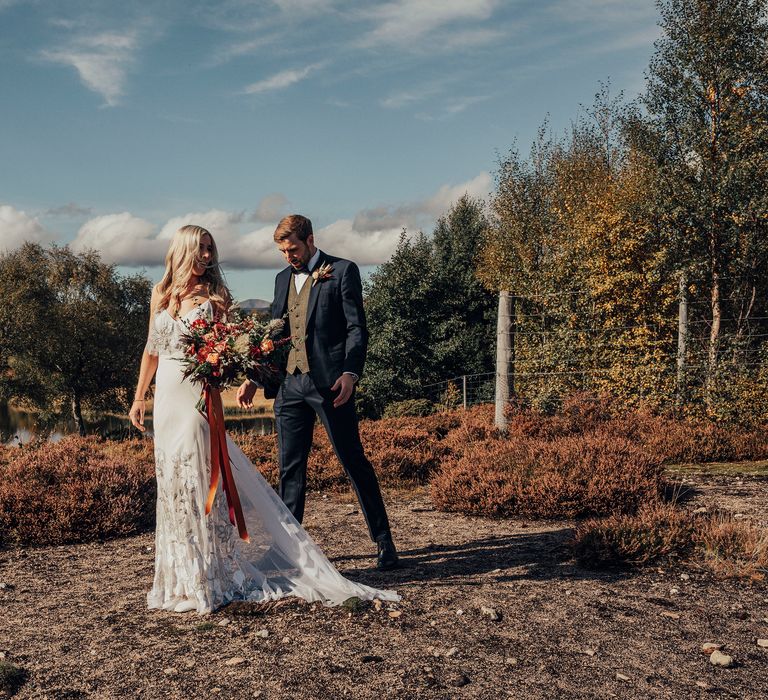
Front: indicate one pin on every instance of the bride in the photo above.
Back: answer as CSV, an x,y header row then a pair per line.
x,y
200,561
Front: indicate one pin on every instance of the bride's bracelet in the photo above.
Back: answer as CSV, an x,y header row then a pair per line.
x,y
137,400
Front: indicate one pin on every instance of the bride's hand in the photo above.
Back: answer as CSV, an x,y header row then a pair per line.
x,y
136,414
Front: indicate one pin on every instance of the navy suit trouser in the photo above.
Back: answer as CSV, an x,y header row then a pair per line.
x,y
297,403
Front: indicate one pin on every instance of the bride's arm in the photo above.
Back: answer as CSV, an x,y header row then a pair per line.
x,y
149,361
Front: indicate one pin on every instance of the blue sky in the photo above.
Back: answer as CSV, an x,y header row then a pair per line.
x,y
122,121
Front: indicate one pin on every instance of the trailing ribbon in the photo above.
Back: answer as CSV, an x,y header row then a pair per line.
x,y
220,462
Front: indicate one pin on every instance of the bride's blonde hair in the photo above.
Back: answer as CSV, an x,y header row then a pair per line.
x,y
183,254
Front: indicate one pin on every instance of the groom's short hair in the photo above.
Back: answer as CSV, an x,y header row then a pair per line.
x,y
293,223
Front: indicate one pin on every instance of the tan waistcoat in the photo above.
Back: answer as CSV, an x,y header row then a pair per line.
x,y
298,304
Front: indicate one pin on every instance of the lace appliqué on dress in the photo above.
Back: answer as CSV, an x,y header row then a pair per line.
x,y
164,338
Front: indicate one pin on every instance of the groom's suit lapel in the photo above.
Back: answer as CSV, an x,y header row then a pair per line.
x,y
281,300
314,290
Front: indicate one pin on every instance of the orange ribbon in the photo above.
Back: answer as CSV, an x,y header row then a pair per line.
x,y
220,462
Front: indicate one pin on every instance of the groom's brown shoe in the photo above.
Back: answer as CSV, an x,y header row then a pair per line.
x,y
387,554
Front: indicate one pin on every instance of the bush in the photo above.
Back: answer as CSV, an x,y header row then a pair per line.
x,y
726,547
412,407
657,531
75,490
733,548
564,478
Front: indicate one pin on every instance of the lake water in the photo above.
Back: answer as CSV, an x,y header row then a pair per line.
x,y
22,427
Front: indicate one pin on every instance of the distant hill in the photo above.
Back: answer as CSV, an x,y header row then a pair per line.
x,y
254,305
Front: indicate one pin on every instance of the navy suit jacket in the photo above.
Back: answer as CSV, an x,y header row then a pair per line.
x,y
337,335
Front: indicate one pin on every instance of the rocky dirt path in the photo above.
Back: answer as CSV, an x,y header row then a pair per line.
x,y
74,618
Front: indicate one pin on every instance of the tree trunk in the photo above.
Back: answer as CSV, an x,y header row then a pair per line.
x,y
77,414
715,301
503,358
682,339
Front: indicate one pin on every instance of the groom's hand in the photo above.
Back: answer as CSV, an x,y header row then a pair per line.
x,y
345,384
245,394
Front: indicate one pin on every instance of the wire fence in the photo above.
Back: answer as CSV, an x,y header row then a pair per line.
x,y
672,360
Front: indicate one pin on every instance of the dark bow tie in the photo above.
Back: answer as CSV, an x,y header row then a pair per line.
x,y
303,270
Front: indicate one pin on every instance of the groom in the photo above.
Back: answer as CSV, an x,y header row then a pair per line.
x,y
323,298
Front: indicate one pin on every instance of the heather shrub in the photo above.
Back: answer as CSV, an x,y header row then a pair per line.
x,y
402,453
411,407
733,548
663,531
657,531
75,490
568,477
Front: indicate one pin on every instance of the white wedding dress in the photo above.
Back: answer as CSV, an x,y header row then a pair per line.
x,y
200,561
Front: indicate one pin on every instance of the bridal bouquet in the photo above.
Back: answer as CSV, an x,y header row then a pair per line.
x,y
218,354
211,356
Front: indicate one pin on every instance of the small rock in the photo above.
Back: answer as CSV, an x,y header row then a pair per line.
x,y
453,650
685,577
703,685
621,677
590,652
377,604
674,591
670,615
285,640
512,661
234,661
395,613
2,655
709,647
224,622
491,613
762,643
262,633
459,612
170,671
717,658
457,679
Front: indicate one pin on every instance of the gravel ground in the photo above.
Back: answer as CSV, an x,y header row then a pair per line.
x,y
74,619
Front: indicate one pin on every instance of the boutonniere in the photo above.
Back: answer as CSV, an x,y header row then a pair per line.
x,y
322,273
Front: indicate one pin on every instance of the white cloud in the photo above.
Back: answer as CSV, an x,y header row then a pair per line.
x,y
123,239
270,208
365,248
369,238
442,200
405,21
17,227
423,212
102,61
280,80
222,224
